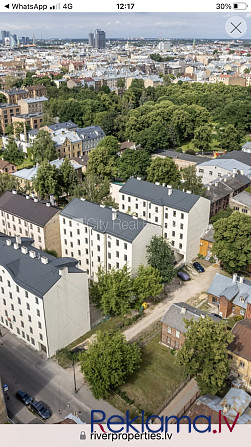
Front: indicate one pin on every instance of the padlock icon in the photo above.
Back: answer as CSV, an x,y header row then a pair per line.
x,y
82,435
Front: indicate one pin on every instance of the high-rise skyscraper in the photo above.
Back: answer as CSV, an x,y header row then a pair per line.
x,y
4,35
91,39
99,39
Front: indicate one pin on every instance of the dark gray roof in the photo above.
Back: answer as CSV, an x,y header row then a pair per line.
x,y
224,188
243,157
182,156
159,194
66,125
100,218
239,292
243,198
35,212
15,91
175,315
31,273
208,234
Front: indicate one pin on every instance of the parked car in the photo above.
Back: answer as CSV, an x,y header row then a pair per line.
x,y
39,408
23,397
198,267
216,315
183,275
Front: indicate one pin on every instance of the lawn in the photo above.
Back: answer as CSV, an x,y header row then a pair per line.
x,y
27,163
155,381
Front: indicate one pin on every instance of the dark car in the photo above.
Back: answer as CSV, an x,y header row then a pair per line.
x,y
39,408
24,397
216,315
198,267
183,275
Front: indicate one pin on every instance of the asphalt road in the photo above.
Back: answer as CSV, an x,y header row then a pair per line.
x,y
23,368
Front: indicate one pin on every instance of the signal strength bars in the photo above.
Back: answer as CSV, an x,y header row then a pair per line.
x,y
57,6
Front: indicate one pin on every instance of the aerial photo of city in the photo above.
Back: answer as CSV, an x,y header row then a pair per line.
x,y
125,217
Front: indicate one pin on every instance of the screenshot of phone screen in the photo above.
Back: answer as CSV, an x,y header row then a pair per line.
x,y
125,222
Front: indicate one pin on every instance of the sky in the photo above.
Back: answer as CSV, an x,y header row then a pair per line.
x,y
78,25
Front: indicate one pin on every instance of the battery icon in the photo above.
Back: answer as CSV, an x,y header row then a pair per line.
x,y
240,6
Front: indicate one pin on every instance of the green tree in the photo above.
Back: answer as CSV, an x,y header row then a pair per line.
x,y
43,147
12,153
204,353
222,214
202,137
47,181
232,244
8,183
133,163
110,143
101,163
68,177
114,294
96,189
147,283
163,170
192,182
230,138
161,257
108,362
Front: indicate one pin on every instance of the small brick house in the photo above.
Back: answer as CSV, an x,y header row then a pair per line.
x,y
173,325
230,295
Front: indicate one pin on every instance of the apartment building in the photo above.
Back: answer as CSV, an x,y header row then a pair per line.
x,y
77,141
35,91
100,236
241,202
15,94
182,216
44,300
33,120
32,105
213,170
7,111
22,215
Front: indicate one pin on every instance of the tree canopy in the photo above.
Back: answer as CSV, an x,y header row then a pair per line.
x,y
12,153
108,362
133,163
43,147
163,170
161,257
192,182
204,353
232,244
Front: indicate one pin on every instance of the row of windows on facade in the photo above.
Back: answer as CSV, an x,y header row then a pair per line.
x,y
98,246
241,364
28,338
26,224
156,219
201,171
21,322
150,206
176,343
20,310
9,284
243,210
21,231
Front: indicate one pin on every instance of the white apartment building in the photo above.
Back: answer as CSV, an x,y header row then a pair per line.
x,y
22,215
44,300
212,170
100,236
182,216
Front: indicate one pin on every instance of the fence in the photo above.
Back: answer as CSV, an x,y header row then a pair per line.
x,y
186,407
175,393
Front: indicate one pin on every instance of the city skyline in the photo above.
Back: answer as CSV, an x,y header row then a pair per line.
x,y
121,25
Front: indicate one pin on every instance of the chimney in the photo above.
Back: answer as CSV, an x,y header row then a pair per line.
x,y
138,178
188,192
183,310
234,171
226,408
216,184
32,254
8,242
61,270
48,204
229,174
208,187
114,214
24,250
241,279
18,239
157,183
225,179
134,217
169,190
32,195
35,199
234,277
14,191
16,246
163,184
27,197
242,172
44,260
